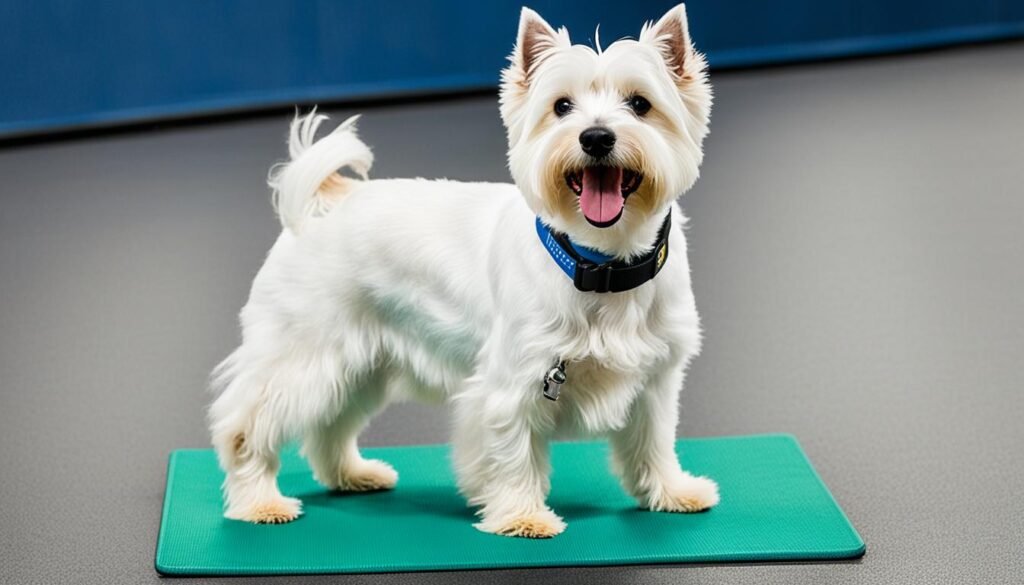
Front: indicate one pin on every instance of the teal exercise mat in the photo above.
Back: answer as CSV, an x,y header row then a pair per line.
x,y
774,508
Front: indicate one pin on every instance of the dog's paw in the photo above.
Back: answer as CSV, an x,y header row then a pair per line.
x,y
689,494
277,511
543,524
367,476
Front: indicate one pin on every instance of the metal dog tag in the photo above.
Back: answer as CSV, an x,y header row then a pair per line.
x,y
553,381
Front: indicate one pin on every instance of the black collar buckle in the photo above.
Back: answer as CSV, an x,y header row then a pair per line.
x,y
618,276
593,277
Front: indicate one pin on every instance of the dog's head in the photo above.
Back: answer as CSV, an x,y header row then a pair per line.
x,y
601,142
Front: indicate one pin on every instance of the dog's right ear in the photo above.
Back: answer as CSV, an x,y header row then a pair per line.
x,y
535,42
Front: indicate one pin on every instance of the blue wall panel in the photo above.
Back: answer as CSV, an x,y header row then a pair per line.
x,y
72,63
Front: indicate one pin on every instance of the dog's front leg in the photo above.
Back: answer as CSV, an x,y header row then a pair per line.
x,y
643,452
501,460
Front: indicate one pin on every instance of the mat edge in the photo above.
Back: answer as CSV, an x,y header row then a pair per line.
x,y
861,549
160,566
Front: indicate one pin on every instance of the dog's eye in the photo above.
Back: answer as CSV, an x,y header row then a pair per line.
x,y
563,106
639,105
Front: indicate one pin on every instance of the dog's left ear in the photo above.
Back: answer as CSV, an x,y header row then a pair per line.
x,y
671,36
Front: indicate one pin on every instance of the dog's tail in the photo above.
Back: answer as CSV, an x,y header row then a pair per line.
x,y
309,184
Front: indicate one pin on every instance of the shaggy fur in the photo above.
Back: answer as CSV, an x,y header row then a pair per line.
x,y
381,290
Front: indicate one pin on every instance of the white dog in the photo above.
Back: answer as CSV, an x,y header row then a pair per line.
x,y
492,296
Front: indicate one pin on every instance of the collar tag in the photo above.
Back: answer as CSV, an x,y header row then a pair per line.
x,y
553,381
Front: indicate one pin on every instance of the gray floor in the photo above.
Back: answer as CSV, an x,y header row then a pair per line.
x,y
857,242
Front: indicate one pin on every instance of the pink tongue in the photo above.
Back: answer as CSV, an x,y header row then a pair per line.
x,y
601,200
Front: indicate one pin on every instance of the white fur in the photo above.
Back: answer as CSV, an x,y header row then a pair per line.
x,y
388,289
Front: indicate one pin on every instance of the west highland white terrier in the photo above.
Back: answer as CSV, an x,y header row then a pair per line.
x,y
547,309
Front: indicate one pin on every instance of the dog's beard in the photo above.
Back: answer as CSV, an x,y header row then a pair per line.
x,y
599,191
624,190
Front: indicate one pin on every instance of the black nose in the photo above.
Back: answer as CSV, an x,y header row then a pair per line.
x,y
597,141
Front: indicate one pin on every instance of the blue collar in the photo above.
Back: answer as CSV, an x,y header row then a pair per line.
x,y
593,271
565,261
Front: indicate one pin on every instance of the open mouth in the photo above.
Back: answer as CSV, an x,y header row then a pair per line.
x,y
602,192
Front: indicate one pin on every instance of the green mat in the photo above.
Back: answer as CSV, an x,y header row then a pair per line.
x,y
774,507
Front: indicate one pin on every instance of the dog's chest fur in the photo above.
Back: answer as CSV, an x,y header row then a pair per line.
x,y
611,346
594,399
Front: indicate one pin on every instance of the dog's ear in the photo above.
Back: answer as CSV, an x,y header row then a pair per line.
x,y
535,42
671,36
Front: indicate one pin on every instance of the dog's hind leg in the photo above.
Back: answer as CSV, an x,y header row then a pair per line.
x,y
264,404
332,450
247,447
